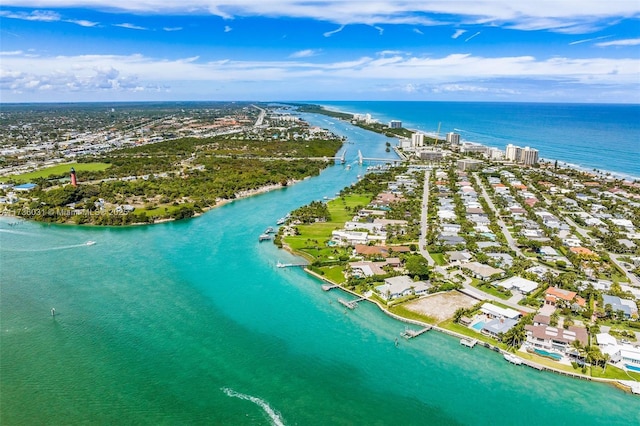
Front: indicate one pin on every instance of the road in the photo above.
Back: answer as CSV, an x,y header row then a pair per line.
x,y
510,241
260,119
423,221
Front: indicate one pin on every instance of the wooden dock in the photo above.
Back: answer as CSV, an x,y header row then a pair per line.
x,y
410,334
350,305
470,343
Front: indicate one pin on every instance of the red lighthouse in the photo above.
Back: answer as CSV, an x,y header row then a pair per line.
x,y
74,181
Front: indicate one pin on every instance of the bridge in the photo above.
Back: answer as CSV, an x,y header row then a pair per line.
x,y
362,159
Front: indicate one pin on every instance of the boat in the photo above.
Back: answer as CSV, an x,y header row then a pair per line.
x,y
512,359
264,237
269,230
90,243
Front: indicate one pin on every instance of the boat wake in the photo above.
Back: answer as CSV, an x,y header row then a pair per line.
x,y
72,246
273,415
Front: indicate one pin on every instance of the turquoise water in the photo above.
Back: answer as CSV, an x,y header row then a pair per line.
x,y
542,352
192,323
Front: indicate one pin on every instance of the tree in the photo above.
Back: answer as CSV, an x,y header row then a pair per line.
x,y
417,265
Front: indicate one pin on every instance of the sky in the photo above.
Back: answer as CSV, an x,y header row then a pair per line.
x,y
269,50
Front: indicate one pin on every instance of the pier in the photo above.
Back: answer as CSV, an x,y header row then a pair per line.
x,y
291,265
327,287
352,304
470,343
410,334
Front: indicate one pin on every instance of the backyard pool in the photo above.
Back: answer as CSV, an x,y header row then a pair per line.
x,y
478,326
554,356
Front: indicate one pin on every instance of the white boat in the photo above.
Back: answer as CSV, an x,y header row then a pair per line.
x,y
512,359
90,243
281,221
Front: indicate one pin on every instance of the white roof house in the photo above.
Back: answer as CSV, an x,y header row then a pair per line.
x,y
395,287
498,312
521,284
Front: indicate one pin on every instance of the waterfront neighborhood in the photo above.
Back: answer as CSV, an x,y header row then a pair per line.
x,y
532,259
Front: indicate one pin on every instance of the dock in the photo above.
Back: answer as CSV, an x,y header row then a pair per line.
x,y
410,334
291,265
470,343
352,304
327,287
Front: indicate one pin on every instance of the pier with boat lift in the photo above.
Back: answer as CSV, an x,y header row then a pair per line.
x,y
470,343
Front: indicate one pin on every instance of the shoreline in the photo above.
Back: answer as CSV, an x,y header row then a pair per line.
x,y
601,173
532,364
238,196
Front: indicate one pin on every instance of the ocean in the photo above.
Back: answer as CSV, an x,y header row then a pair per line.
x,y
603,137
191,322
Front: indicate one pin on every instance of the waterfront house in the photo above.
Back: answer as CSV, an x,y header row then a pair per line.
x,y
400,286
498,326
366,250
552,338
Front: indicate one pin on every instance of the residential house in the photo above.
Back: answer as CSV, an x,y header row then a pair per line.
x,y
523,285
555,296
400,286
482,271
627,306
552,338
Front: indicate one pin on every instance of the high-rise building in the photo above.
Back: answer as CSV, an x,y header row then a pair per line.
x,y
417,139
453,138
495,154
395,124
529,156
513,153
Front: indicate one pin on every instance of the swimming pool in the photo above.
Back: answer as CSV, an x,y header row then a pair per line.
x,y
478,326
554,356
632,367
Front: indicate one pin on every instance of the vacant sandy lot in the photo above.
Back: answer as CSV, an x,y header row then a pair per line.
x,y
441,306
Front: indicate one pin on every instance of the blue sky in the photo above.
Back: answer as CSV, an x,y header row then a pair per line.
x,y
476,50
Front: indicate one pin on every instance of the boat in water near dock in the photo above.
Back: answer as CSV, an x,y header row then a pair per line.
x,y
264,237
512,359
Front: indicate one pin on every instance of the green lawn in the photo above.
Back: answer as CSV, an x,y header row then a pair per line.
x,y
614,373
61,169
313,238
438,258
406,313
489,289
334,273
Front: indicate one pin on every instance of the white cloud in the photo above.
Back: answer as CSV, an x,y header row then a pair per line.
x,y
82,22
171,29
306,53
36,15
330,33
130,26
380,29
570,16
626,42
227,29
417,31
458,33
11,53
